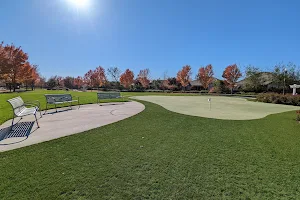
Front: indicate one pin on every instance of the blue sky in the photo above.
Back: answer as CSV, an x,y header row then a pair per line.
x,y
162,35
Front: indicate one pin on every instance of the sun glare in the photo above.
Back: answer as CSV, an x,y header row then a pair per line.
x,y
80,4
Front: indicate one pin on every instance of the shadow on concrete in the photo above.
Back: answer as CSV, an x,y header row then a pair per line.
x,y
59,110
19,130
109,104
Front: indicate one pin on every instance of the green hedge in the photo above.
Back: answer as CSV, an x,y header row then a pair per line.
x,y
279,98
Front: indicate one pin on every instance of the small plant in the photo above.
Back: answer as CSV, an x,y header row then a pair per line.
x,y
298,116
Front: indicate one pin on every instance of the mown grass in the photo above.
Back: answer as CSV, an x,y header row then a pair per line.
x,y
159,154
6,110
85,98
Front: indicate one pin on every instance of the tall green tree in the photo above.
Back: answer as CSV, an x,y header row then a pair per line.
x,y
254,78
285,75
69,82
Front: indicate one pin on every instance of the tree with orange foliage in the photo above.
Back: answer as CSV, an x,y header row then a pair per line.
x,y
99,76
205,76
2,60
127,78
27,72
15,68
165,84
60,81
89,79
143,78
35,77
78,82
12,61
183,76
40,82
231,75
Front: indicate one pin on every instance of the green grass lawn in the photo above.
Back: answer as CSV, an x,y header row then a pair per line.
x,y
85,98
159,154
6,110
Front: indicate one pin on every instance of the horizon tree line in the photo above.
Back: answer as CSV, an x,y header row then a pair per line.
x,y
15,69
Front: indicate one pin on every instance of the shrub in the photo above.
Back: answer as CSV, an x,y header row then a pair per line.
x,y
279,98
203,91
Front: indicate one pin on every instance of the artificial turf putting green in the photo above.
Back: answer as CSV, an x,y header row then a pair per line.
x,y
232,108
159,154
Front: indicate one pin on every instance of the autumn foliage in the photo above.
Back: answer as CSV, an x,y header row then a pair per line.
x,y
78,82
89,78
143,78
100,77
166,84
127,78
184,76
15,68
231,75
205,76
96,78
29,75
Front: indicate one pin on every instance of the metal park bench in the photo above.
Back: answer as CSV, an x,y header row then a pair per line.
x,y
56,99
20,109
108,95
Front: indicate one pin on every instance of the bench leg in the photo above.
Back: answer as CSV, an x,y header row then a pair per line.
x,y
12,123
36,120
70,105
46,108
55,107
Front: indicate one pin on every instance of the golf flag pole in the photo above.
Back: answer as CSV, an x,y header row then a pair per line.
x,y
209,101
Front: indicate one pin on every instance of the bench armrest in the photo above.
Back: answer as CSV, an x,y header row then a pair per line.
x,y
76,97
32,103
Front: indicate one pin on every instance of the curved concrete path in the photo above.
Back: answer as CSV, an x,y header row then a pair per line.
x,y
68,122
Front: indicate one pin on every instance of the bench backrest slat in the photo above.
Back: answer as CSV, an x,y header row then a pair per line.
x,y
108,95
52,98
17,105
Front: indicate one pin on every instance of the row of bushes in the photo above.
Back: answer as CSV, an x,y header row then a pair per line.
x,y
279,98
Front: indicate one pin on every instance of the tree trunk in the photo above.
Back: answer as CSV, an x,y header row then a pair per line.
x,y
232,90
14,82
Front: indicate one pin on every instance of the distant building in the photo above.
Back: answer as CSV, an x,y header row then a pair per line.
x,y
2,84
197,85
266,80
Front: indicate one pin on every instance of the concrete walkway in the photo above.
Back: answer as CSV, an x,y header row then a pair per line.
x,y
67,122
